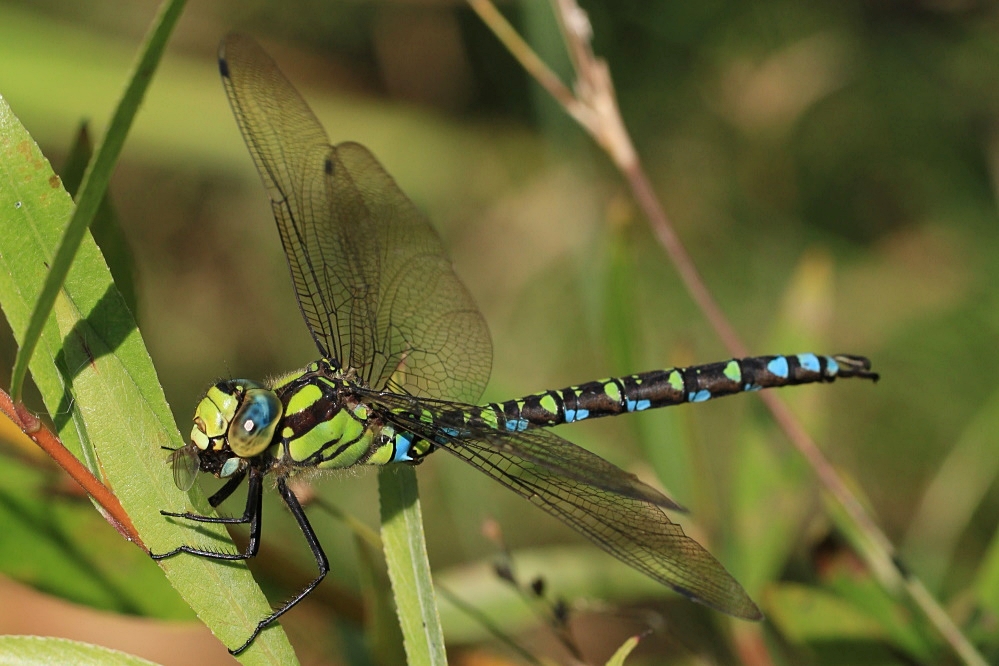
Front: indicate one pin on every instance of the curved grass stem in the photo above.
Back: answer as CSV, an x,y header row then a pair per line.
x,y
594,106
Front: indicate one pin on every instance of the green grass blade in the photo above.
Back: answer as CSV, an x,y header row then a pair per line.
x,y
95,184
622,652
100,387
381,625
409,569
105,227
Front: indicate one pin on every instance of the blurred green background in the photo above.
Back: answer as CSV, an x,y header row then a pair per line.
x,y
831,166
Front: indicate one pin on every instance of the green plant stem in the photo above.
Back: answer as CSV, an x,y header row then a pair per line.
x,y
408,567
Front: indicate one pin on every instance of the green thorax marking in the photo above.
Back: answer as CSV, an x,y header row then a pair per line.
x,y
324,424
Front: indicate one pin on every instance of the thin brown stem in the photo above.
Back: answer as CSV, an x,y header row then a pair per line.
x,y
594,106
526,56
649,203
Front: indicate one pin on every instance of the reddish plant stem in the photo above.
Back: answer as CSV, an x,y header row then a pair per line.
x,y
109,505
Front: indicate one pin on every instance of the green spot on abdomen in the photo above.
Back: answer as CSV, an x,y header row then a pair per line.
x,y
613,391
675,380
733,372
488,416
342,429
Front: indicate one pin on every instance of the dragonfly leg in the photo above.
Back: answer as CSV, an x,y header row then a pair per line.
x,y
223,493
251,515
317,551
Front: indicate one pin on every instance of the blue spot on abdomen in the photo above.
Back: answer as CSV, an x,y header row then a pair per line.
x,y
700,396
403,443
516,425
778,367
809,362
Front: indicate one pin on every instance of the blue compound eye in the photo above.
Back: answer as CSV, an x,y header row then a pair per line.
x,y
253,426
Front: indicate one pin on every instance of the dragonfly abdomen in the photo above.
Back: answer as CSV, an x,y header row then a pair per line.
x,y
674,386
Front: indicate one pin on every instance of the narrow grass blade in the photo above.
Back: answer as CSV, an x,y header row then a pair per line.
x,y
105,227
622,652
409,569
382,631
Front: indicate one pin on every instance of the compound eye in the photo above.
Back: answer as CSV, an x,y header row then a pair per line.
x,y
253,426
214,413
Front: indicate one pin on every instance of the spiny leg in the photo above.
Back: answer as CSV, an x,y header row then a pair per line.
x,y
317,551
251,515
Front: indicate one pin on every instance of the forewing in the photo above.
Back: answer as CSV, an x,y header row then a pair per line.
x,y
614,509
372,278
289,148
412,319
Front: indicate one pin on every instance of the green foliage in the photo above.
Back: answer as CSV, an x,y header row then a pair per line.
x,y
93,188
29,650
408,568
830,165
97,380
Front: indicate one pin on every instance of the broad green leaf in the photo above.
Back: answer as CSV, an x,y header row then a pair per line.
x,y
811,615
98,382
60,546
907,630
804,614
38,651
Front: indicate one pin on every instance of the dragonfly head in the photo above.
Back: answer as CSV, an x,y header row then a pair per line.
x,y
234,422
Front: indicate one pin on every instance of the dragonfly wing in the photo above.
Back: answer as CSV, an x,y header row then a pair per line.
x,y
373,281
289,148
635,531
612,508
423,330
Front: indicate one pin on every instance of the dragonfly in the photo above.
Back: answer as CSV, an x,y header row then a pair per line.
x,y
404,354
